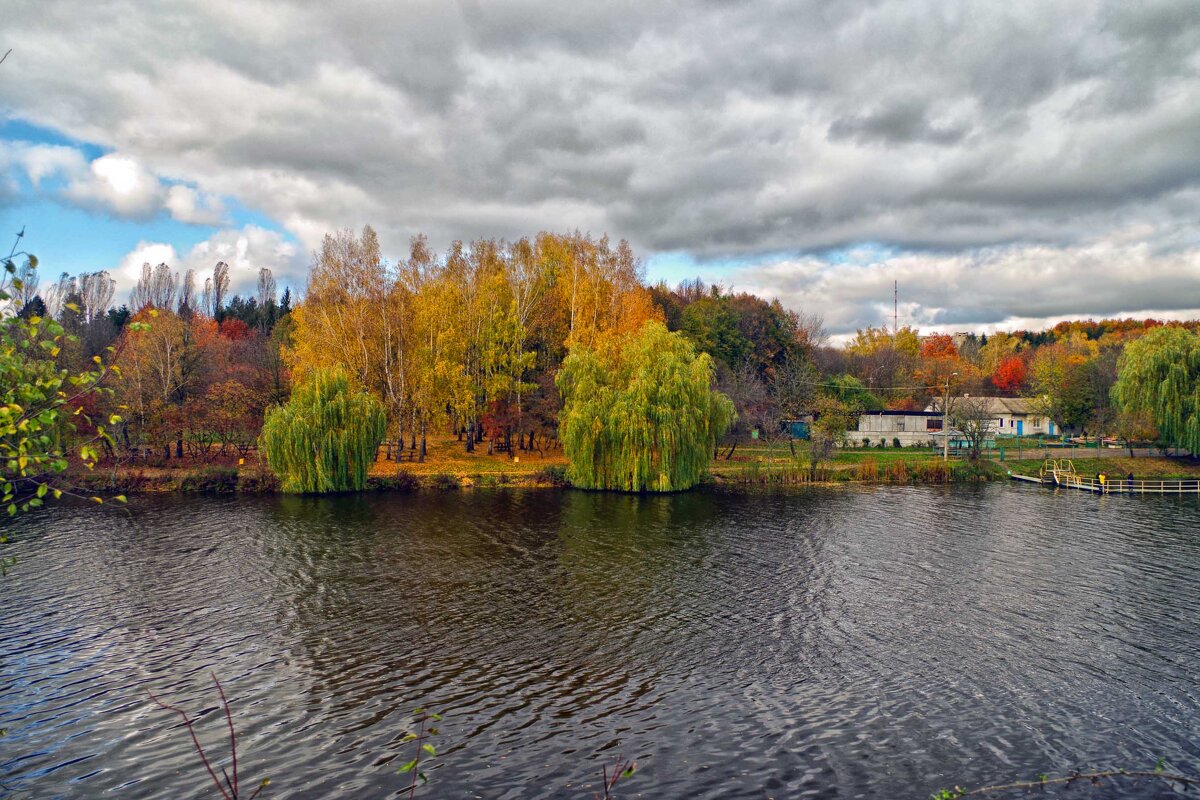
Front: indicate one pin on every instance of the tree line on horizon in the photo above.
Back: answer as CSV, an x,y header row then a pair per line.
x,y
473,341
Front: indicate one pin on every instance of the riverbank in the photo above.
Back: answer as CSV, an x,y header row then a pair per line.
x,y
447,467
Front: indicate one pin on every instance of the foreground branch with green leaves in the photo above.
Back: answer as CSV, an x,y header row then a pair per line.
x,y
44,415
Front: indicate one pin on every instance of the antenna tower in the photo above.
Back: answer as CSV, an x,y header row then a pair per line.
x,y
895,307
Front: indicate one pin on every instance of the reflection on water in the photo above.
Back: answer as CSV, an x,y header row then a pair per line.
x,y
825,643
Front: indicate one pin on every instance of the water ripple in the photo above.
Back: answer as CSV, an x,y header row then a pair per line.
x,y
817,643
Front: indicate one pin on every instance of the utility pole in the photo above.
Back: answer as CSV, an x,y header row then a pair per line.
x,y
895,308
946,420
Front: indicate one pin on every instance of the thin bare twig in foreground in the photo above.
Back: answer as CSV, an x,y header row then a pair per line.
x,y
1093,777
229,791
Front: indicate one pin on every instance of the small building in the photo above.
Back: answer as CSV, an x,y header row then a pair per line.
x,y
799,428
1013,416
909,427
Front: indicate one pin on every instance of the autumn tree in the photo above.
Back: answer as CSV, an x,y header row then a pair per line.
x,y
832,418
1060,382
354,316
639,413
883,360
1010,375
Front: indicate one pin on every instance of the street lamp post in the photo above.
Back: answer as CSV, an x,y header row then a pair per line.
x,y
946,420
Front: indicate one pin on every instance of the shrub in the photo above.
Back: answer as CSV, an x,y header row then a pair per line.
x,y
257,481
553,474
896,442
210,480
445,482
400,482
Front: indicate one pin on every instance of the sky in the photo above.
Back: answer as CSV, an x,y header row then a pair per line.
x,y
1007,165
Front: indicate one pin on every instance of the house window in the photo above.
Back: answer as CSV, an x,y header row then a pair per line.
x,y
900,425
933,423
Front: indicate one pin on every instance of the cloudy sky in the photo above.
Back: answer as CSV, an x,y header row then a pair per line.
x,y
1006,163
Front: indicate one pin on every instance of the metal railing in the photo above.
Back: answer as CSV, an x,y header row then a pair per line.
x,y
1127,486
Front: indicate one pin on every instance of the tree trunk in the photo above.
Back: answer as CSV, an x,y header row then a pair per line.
x,y
421,457
179,448
471,437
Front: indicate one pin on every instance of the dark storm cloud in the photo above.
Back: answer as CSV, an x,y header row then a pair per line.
x,y
902,123
714,128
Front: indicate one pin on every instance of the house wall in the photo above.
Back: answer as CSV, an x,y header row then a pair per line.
x,y
1033,424
909,430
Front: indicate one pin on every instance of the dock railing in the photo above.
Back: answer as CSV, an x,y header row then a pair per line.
x,y
1127,486
1061,472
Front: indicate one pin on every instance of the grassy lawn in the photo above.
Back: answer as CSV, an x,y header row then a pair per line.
x,y
758,459
447,455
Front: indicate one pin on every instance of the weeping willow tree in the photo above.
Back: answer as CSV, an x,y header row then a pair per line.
x,y
639,413
324,439
1159,375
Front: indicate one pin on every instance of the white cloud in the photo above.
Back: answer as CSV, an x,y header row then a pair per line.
x,y
984,289
188,205
114,183
1012,142
117,184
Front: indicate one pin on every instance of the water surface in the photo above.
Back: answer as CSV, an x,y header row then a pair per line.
x,y
831,642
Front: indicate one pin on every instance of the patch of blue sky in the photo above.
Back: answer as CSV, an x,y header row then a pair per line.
x,y
858,254
679,265
17,130
69,239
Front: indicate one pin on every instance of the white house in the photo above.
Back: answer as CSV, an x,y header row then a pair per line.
x,y
910,427
1013,416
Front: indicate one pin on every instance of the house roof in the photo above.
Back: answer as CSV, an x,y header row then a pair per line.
x,y
1007,406
893,413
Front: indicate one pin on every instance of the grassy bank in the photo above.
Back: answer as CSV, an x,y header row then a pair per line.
x,y
784,464
448,466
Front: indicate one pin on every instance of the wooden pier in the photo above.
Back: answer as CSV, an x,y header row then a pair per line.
x,y
1061,472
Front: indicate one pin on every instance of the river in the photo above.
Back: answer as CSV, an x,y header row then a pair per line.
x,y
824,642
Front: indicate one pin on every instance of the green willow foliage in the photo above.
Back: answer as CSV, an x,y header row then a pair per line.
x,y
325,438
1159,374
639,415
